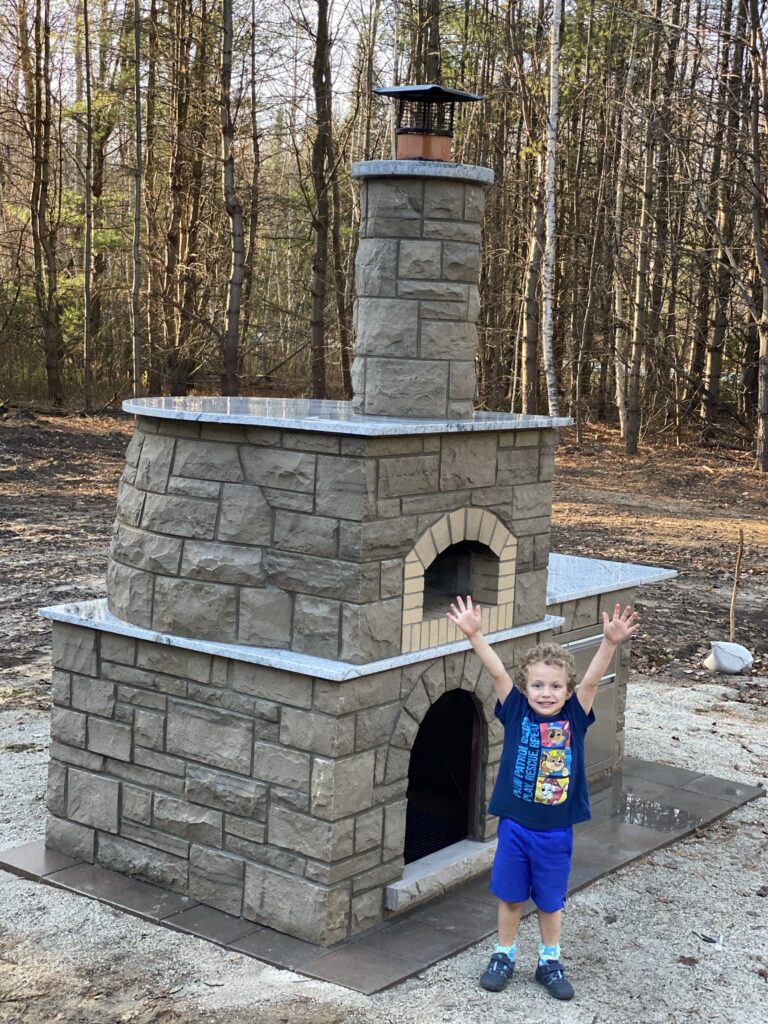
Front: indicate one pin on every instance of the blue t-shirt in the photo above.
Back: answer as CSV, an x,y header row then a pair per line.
x,y
542,780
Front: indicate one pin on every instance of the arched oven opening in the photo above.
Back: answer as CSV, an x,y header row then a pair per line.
x,y
468,567
444,777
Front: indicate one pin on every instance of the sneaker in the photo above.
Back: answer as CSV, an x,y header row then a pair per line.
x,y
552,976
498,972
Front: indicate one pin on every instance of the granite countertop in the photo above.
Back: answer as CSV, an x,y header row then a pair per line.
x,y
571,577
325,416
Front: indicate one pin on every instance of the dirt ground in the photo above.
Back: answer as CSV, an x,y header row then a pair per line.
x,y
675,507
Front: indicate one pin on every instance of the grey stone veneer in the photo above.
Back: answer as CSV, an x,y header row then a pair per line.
x,y
298,540
266,794
416,276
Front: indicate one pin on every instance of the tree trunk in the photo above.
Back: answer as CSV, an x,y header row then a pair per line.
x,y
321,151
644,244
549,204
230,383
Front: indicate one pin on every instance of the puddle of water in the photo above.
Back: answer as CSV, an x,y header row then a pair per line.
x,y
655,815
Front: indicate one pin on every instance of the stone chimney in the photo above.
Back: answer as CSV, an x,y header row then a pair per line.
x,y
417,275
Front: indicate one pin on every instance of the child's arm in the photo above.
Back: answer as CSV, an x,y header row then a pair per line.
x,y
615,631
467,618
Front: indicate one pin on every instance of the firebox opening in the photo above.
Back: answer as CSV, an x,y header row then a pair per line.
x,y
468,567
443,777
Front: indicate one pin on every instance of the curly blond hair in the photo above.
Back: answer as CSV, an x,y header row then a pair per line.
x,y
550,654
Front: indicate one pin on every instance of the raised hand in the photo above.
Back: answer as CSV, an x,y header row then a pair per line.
x,y
465,616
621,626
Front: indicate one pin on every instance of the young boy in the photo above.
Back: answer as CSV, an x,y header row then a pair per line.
x,y
541,788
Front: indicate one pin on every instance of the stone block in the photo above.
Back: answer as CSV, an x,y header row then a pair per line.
x,y
453,231
474,203
404,387
76,841
137,804
518,465
222,563
316,626
244,828
133,451
61,688
368,828
149,551
160,763
117,648
324,577
310,535
93,800
346,488
445,501
462,381
292,501
370,632
398,762
355,694
272,684
173,661
366,911
322,840
143,862
530,596
440,311
68,727
296,800
179,516
193,608
149,729
420,260
387,327
467,460
461,262
207,460
442,291
378,876
265,618
194,488
213,737
216,879
342,787
392,577
532,501
288,470
154,465
394,829
151,779
416,474
448,339
225,792
418,702
113,739
191,821
393,199
157,840
376,267
273,763
246,515
294,905
130,503
405,731
317,733
434,680
444,199
74,649
129,594
374,725
74,755
56,790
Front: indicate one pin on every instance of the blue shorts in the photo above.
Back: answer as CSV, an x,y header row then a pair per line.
x,y
532,864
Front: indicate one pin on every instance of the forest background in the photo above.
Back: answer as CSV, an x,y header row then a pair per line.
x,y
177,213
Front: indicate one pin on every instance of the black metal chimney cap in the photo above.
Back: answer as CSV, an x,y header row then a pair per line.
x,y
428,93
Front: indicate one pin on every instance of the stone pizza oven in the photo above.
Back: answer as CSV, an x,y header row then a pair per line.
x,y
270,711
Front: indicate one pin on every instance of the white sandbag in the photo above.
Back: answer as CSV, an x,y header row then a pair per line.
x,y
727,657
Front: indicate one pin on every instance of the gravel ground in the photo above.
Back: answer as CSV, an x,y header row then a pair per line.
x,y
677,936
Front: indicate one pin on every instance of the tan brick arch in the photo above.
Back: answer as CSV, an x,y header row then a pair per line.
x,y
473,524
438,678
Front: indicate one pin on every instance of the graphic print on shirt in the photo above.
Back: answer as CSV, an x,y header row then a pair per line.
x,y
554,763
